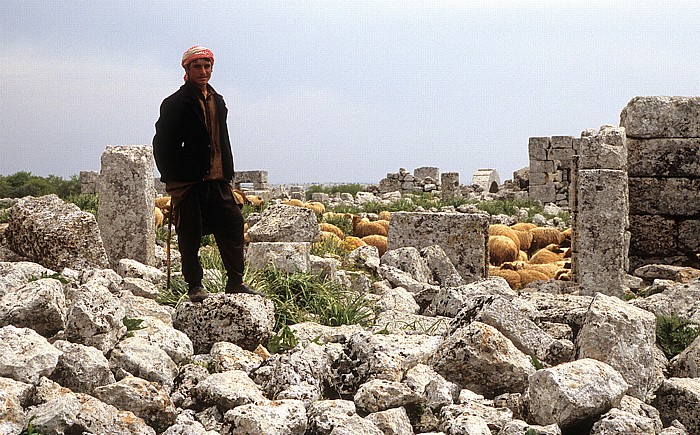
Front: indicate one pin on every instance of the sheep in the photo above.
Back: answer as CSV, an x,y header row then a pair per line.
x,y
159,217
522,256
294,202
362,227
546,255
502,249
523,226
351,243
525,239
330,237
255,200
504,230
543,236
528,276
377,240
163,202
332,229
385,215
512,277
316,206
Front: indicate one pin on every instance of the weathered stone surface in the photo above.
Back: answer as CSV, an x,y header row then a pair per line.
x,y
633,417
140,287
12,415
392,421
519,427
653,235
463,237
284,417
573,392
356,425
661,117
450,300
138,357
442,269
127,195
682,300
494,417
145,399
21,391
26,355
681,274
78,413
95,318
599,256
677,399
307,366
398,299
665,196
245,320
175,343
466,424
605,148
480,358
285,223
402,322
324,415
379,395
40,305
687,363
106,277
55,234
130,268
228,390
287,256
228,356
664,157
138,307
624,337
14,275
81,368
409,260
688,240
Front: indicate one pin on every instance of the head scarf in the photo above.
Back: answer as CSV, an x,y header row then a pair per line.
x,y
194,53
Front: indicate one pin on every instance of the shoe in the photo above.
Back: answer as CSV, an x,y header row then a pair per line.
x,y
241,288
197,294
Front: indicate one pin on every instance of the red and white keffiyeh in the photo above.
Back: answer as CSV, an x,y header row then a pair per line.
x,y
194,53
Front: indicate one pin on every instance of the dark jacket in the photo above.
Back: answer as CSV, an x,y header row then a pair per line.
x,y
181,146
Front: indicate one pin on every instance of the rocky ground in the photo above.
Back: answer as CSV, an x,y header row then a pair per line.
x,y
89,350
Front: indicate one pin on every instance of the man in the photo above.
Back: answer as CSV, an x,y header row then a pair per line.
x,y
193,154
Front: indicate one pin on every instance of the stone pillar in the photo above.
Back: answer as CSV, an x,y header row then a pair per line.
x,y
450,185
600,213
127,195
463,237
88,182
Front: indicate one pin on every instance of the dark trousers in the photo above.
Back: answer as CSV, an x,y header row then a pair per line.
x,y
210,206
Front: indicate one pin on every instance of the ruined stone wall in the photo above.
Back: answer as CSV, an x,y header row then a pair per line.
x,y
424,179
551,168
663,137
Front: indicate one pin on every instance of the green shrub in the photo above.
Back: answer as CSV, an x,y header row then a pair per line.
x,y
4,216
332,190
341,221
87,202
674,334
21,184
331,246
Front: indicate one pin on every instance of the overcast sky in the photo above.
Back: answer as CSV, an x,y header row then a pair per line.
x,y
337,91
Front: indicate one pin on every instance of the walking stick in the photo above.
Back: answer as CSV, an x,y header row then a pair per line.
x,y
167,247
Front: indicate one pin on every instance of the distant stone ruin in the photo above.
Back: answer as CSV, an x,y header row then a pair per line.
x,y
487,179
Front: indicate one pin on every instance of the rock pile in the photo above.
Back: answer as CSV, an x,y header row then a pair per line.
x,y
89,350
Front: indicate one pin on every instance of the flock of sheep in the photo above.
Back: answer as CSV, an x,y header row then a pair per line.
x,y
521,253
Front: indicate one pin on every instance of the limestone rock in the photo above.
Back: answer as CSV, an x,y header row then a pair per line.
x,y
687,363
379,395
175,343
12,415
681,274
40,305
26,355
138,357
670,157
228,356
129,268
14,275
290,257
141,287
228,390
573,392
677,399
661,117
356,425
21,391
145,399
245,320
402,322
450,300
285,223
519,427
138,307
409,260
682,300
434,390
106,277
81,368
286,417
495,418
95,318
480,358
55,234
393,421
324,415
466,424
398,299
306,366
441,267
367,256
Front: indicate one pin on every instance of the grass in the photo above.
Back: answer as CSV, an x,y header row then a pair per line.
x,y
674,334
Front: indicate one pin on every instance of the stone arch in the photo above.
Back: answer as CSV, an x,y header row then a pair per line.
x,y
487,179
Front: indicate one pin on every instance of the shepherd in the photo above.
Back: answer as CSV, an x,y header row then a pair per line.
x,y
193,154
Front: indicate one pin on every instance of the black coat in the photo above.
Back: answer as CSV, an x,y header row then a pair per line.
x,y
181,146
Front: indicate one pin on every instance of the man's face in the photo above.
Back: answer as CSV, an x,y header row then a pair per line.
x,y
199,71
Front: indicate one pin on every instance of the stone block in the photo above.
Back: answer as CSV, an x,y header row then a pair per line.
x,y
427,172
652,235
127,198
538,147
559,142
664,158
463,237
562,154
662,117
667,196
545,193
600,254
603,149
541,165
290,257
539,178
487,179
689,235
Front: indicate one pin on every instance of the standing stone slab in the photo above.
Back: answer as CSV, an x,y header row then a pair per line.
x,y
127,197
463,237
605,148
601,241
664,157
55,234
678,399
653,235
665,196
661,117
